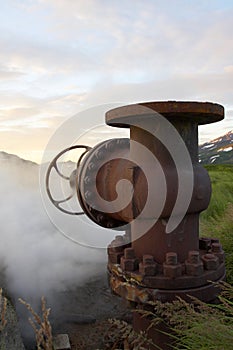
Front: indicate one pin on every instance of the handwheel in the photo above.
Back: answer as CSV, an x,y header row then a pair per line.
x,y
72,178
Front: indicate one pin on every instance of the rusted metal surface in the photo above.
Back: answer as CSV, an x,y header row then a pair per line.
x,y
159,260
200,112
156,266
97,179
132,288
170,278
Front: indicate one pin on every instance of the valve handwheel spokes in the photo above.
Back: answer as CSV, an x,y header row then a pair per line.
x,y
72,178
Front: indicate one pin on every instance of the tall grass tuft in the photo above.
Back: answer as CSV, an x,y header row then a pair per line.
x,y
41,326
3,310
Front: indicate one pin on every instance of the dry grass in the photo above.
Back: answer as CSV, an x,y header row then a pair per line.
x,y
41,326
3,307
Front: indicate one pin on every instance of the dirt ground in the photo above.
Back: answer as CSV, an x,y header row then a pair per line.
x,y
83,314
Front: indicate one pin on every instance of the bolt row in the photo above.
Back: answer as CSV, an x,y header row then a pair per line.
x,y
171,268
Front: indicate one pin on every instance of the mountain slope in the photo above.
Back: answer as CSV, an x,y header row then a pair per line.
x,y
12,158
217,151
22,172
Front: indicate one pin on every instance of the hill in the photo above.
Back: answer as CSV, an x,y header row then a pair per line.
x,y
22,172
217,151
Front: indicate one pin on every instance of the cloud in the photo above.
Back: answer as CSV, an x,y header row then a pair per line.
x,y
9,75
59,57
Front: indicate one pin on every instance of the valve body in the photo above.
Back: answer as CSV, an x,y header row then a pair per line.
x,y
156,265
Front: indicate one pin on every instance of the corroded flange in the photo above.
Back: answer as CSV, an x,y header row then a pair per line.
x,y
146,280
199,112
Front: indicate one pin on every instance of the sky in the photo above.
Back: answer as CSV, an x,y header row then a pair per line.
x,y
60,57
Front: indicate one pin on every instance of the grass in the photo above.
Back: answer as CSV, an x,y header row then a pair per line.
x,y
217,220
207,327
194,326
3,307
222,191
41,326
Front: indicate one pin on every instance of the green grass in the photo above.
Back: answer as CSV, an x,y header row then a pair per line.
x,y
222,191
217,220
206,327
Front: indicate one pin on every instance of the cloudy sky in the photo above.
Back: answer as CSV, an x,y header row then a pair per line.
x,y
58,57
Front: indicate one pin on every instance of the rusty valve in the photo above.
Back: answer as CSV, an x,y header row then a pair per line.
x,y
156,258
181,263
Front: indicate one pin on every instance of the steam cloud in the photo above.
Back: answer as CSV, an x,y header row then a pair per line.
x,y
35,258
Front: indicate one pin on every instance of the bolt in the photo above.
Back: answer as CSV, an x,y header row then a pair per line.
x,y
172,271
129,253
209,256
117,244
114,257
171,258
171,268
216,247
204,243
147,269
129,264
211,261
148,259
214,240
119,239
193,266
193,257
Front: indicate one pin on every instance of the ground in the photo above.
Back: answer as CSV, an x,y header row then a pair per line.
x,y
83,314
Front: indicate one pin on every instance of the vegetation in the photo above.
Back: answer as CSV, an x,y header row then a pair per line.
x,y
3,307
193,326
41,326
217,220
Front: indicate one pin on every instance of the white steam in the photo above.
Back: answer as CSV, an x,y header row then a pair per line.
x,y
37,260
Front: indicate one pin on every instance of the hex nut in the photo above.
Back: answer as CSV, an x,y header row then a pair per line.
x,y
216,249
171,258
129,264
211,261
172,271
147,269
129,253
214,240
147,259
117,245
204,243
194,269
115,257
193,256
